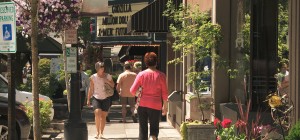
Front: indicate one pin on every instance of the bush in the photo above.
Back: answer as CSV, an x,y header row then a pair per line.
x,y
294,133
48,83
45,112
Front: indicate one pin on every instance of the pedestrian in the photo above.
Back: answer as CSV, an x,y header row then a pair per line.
x,y
101,101
283,79
84,85
153,98
124,82
137,66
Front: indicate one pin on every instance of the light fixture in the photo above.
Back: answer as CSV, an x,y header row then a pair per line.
x,y
239,42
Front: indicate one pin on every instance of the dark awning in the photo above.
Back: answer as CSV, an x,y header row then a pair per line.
x,y
45,45
150,18
128,52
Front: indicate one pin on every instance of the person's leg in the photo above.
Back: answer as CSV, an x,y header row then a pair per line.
x,y
103,115
105,105
97,121
124,110
143,123
154,118
96,107
131,102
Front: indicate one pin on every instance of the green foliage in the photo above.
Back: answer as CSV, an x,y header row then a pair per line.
x,y
115,78
282,30
230,134
84,29
89,72
45,112
48,83
294,133
183,130
195,35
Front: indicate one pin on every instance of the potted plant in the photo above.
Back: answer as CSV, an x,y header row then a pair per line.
x,y
197,37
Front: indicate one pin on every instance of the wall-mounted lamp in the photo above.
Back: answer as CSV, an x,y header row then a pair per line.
x,y
239,42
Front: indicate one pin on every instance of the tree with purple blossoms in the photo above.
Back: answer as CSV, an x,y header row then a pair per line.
x,y
40,18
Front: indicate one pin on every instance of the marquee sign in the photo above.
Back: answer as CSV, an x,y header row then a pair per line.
x,y
116,23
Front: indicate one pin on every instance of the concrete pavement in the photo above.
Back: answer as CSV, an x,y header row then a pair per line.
x,y
114,130
129,131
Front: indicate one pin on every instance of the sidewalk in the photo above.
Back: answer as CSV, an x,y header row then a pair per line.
x,y
114,130
129,131
125,131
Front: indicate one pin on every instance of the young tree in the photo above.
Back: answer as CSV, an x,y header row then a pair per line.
x,y
39,18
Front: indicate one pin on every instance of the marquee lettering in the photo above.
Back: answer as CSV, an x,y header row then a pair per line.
x,y
121,8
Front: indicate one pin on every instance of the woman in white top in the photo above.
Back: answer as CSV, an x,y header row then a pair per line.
x,y
101,101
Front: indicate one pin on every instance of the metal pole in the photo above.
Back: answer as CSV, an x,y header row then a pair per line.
x,y
11,98
75,127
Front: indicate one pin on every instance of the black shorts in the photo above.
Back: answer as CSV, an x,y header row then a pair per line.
x,y
103,104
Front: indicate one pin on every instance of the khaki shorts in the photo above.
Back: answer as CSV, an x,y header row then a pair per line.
x,y
127,100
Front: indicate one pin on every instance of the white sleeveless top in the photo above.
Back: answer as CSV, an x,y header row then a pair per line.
x,y
99,92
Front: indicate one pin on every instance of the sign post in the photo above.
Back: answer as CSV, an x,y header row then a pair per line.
x,y
71,54
8,27
74,127
8,45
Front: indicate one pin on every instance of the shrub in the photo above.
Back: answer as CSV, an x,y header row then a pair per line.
x,y
48,83
89,72
45,112
294,133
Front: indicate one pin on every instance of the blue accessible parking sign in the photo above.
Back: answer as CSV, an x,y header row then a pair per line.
x,y
8,42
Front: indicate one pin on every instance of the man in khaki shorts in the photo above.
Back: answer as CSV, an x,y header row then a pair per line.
x,y
124,82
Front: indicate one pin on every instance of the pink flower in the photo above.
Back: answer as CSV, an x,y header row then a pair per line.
x,y
216,122
240,124
218,138
226,123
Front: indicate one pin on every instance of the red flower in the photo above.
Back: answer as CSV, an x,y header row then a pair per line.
x,y
226,123
240,124
216,122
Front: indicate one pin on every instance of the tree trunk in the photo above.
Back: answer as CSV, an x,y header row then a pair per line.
x,y
35,86
65,69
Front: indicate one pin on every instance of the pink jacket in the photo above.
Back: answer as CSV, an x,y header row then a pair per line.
x,y
154,88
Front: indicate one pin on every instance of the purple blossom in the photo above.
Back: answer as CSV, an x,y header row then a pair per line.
x,y
53,15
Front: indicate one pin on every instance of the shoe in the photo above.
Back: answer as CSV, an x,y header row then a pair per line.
x,y
107,119
134,119
152,138
96,137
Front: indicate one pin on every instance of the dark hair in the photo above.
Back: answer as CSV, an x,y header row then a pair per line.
x,y
127,67
150,59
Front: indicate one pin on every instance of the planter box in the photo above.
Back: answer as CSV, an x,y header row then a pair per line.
x,y
201,132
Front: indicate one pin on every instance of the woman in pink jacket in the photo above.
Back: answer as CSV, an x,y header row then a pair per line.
x,y
153,98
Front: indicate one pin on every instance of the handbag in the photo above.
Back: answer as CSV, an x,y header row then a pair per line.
x,y
108,90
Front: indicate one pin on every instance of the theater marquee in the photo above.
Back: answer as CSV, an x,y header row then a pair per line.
x,y
116,23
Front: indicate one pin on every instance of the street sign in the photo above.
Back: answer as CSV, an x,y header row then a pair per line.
x,y
71,54
71,36
8,42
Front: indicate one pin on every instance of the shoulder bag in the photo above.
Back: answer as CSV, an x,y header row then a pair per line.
x,y
109,91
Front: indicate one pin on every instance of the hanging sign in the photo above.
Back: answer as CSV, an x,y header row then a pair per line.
x,y
8,42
